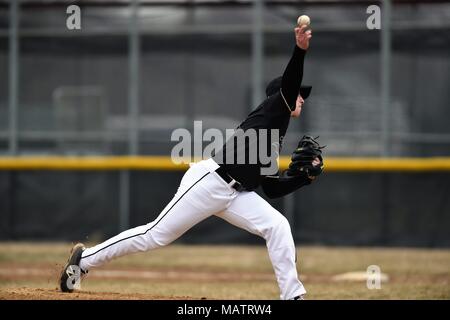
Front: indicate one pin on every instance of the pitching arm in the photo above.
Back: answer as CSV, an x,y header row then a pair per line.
x,y
293,74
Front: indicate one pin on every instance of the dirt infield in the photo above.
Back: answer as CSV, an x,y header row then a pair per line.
x,y
15,272
54,294
51,275
31,271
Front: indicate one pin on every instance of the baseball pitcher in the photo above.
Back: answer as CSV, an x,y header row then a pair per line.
x,y
225,188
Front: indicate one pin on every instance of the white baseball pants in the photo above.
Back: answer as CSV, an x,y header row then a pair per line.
x,y
203,193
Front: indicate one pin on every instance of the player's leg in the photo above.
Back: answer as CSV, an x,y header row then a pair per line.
x,y
200,195
252,213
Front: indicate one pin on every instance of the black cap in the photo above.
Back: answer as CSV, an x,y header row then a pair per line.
x,y
275,85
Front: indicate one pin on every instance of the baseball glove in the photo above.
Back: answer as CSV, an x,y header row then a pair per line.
x,y
307,152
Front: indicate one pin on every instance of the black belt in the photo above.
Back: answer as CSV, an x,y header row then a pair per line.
x,y
228,179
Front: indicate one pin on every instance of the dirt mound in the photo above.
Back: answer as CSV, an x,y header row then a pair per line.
x,y
25,293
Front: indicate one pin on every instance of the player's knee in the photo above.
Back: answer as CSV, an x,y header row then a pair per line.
x,y
280,225
161,239
149,241
283,225
162,242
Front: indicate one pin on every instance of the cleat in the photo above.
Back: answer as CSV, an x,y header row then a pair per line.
x,y
71,275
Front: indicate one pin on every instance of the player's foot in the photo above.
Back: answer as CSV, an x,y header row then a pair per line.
x,y
71,274
301,297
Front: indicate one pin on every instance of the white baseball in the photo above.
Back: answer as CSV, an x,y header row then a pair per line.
x,y
303,20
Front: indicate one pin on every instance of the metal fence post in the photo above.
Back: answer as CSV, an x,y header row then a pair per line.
x,y
133,86
385,113
124,200
133,113
385,78
13,74
257,52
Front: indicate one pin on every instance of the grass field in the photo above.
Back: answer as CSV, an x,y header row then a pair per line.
x,y
30,271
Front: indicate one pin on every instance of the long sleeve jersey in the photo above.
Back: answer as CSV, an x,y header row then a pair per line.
x,y
273,113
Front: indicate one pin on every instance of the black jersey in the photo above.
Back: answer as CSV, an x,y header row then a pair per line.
x,y
272,114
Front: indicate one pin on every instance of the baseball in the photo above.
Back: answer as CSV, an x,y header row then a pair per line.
x,y
303,20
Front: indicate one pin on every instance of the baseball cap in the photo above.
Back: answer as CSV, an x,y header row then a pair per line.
x,y
275,85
